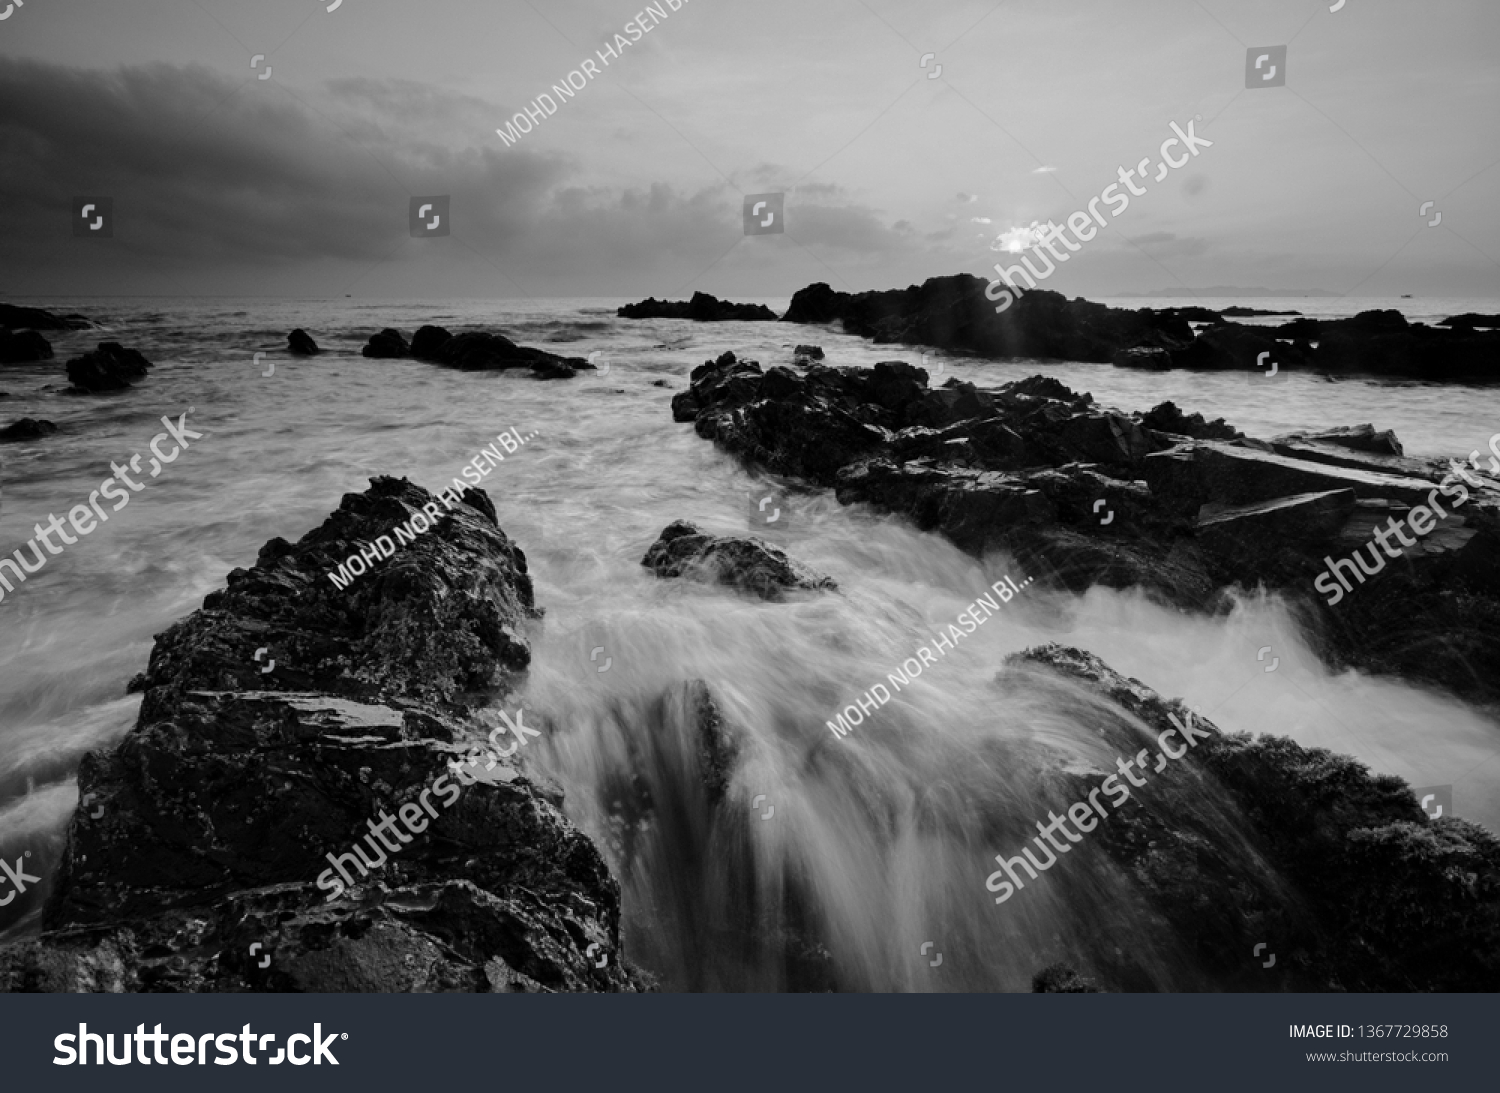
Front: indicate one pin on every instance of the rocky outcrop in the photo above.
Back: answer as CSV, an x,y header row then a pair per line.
x,y
748,564
1339,871
111,367
702,308
288,721
299,343
1471,319
478,351
35,318
23,347
957,313
28,428
1082,494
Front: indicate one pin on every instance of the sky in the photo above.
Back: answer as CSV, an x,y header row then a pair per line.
x,y
273,148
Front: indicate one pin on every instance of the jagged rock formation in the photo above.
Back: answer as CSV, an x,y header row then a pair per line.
x,y
283,722
1082,494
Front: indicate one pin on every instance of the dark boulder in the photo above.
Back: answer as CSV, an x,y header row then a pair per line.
x,y
28,428
23,347
1169,419
387,345
806,354
427,343
479,351
701,308
1470,320
750,565
299,343
111,367
236,788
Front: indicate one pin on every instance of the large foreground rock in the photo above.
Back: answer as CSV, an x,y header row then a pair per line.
x,y
1339,872
206,833
111,367
1082,494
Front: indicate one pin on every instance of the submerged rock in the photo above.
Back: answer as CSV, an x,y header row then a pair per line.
x,y
701,308
1243,841
23,347
28,428
111,367
750,565
480,351
299,343
289,721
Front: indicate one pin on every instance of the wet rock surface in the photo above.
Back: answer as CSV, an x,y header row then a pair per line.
x,y
744,563
281,723
959,313
111,367
1082,494
1243,842
701,308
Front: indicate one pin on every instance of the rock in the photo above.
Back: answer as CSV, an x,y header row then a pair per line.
x,y
1471,319
300,344
1061,979
1152,358
805,354
958,313
750,565
1082,495
23,347
701,308
1359,438
1241,312
660,383
387,345
28,428
1169,419
1377,896
225,802
427,343
111,367
34,318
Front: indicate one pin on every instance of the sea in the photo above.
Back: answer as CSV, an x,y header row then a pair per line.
x,y
285,438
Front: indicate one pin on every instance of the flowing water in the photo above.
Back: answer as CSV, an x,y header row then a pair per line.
x,y
874,844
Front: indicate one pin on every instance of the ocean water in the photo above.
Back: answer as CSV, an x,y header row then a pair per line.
x,y
608,470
